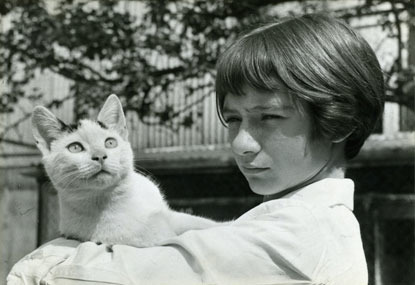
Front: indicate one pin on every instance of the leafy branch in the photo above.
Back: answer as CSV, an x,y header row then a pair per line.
x,y
104,50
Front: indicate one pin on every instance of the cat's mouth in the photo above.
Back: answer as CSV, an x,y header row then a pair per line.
x,y
99,173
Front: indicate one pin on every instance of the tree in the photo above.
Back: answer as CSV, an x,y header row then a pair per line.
x,y
103,51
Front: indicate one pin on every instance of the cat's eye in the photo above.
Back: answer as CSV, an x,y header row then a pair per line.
x,y
75,147
111,143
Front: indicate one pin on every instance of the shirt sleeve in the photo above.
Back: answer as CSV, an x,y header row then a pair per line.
x,y
277,246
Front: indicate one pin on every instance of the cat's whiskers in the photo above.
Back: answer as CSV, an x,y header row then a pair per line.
x,y
81,171
136,159
73,174
67,175
72,178
112,167
89,170
68,185
142,170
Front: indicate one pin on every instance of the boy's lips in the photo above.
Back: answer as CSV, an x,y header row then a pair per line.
x,y
253,169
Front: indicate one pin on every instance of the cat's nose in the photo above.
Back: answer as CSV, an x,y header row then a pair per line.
x,y
100,157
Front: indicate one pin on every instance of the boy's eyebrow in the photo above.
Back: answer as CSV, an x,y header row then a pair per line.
x,y
228,110
269,108
260,108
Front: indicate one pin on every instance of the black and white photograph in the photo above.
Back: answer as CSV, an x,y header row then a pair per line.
x,y
187,142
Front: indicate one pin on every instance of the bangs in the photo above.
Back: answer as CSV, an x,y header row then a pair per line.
x,y
246,64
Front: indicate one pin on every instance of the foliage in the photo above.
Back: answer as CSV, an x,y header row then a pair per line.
x,y
104,50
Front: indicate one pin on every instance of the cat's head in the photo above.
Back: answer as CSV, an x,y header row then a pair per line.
x,y
93,154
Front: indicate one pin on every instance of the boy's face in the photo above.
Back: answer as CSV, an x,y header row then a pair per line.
x,y
271,140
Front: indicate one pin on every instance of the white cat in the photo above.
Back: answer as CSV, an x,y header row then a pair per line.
x,y
101,197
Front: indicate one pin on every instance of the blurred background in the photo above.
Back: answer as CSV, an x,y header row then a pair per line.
x,y
159,57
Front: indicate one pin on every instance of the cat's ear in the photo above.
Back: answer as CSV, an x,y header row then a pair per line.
x,y
46,128
112,115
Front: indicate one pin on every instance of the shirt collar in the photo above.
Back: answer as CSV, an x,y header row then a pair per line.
x,y
326,192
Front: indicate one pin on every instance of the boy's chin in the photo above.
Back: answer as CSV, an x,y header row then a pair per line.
x,y
261,188
266,189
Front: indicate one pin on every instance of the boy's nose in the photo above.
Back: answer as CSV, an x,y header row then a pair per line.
x,y
245,144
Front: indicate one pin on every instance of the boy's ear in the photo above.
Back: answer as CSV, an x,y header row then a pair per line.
x,y
112,115
46,128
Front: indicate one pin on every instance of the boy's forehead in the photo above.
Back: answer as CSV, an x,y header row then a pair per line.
x,y
259,100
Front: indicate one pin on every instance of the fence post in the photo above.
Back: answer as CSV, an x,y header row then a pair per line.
x,y
378,248
48,226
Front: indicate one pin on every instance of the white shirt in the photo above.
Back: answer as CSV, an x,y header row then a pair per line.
x,y
307,237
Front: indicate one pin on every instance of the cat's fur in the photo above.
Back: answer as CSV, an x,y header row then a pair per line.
x,y
101,197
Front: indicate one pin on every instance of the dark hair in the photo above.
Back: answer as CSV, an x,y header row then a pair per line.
x,y
321,61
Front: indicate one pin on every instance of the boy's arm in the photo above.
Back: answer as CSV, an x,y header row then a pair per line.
x,y
280,248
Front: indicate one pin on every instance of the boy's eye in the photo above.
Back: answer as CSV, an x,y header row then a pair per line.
x,y
270,117
230,120
111,143
75,147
